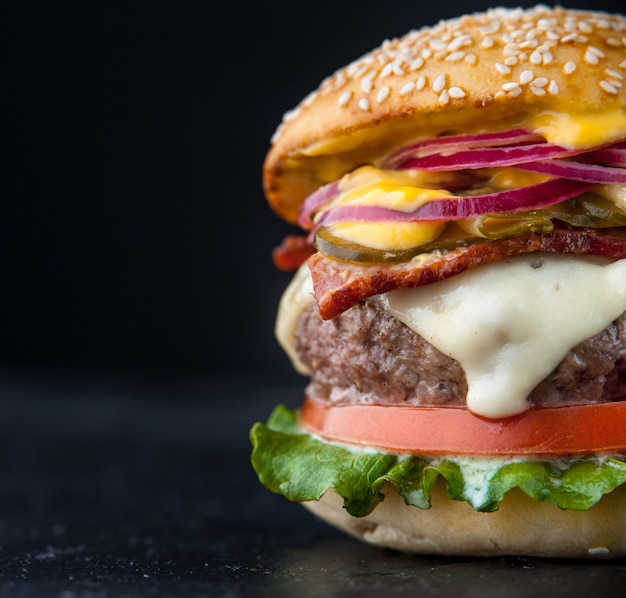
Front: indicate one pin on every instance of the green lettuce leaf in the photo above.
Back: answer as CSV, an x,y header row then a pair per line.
x,y
290,462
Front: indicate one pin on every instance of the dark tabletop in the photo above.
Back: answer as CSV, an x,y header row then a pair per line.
x,y
144,488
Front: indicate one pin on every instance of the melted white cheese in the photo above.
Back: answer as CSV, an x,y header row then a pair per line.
x,y
297,297
509,324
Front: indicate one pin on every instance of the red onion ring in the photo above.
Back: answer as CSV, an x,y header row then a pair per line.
x,y
461,142
612,156
459,208
578,171
315,201
489,157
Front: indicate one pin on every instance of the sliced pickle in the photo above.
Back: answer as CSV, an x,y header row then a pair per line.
x,y
500,226
347,251
589,210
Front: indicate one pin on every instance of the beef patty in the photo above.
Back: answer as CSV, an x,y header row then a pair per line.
x,y
366,355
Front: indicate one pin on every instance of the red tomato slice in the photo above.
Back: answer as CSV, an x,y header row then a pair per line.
x,y
580,429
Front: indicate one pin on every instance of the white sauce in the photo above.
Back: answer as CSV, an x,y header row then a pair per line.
x,y
509,324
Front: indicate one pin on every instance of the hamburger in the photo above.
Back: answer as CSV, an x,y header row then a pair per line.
x,y
459,295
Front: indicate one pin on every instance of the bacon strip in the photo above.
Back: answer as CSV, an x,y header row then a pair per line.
x,y
292,253
340,285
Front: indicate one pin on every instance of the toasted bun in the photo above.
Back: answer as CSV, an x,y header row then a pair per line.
x,y
521,526
486,69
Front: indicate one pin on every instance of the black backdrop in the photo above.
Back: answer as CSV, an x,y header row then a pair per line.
x,y
134,236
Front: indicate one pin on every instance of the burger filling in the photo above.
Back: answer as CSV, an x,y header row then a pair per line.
x,y
366,356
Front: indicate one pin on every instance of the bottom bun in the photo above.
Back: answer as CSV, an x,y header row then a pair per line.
x,y
521,526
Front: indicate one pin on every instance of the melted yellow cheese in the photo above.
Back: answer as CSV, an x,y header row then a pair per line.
x,y
579,129
511,178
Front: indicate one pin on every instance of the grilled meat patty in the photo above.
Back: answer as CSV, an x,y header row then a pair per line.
x,y
366,355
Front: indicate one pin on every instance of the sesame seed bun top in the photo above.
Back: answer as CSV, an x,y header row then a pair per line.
x,y
478,72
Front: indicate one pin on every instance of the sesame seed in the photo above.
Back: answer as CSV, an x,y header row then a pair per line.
x,y
512,50
309,98
437,44
613,73
569,24
622,64
540,82
361,71
364,104
366,84
398,70
456,92
592,51
498,95
547,57
439,83
387,70
526,77
471,59
291,114
383,94
611,41
553,88
544,23
529,43
538,91
494,28
511,60
421,83
344,98
418,63
426,53
503,68
591,58
407,88
487,42
444,97
569,67
459,42
536,57
510,86
596,51
277,133
455,44
455,56
570,37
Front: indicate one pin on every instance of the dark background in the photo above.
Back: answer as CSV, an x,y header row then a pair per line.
x,y
134,235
